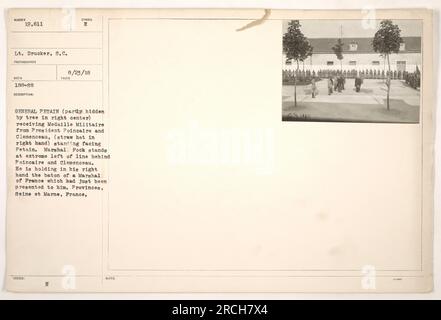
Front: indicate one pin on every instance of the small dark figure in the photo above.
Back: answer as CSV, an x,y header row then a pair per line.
x,y
388,81
313,88
358,82
339,84
330,85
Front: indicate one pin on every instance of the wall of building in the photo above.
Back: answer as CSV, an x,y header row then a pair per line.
x,y
362,61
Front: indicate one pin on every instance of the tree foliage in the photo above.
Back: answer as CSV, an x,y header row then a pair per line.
x,y
338,49
387,39
295,45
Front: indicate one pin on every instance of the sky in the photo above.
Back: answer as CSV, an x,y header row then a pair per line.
x,y
353,28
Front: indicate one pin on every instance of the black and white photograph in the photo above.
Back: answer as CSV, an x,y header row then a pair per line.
x,y
352,70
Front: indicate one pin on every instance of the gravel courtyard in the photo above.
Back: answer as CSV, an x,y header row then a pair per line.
x,y
368,105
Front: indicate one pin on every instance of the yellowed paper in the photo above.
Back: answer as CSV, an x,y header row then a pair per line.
x,y
163,151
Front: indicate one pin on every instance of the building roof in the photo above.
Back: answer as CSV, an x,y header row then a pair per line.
x,y
364,45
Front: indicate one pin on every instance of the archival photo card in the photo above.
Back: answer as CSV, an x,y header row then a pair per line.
x,y
352,70
145,150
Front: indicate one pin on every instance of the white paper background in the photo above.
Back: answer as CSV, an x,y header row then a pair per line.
x,y
311,4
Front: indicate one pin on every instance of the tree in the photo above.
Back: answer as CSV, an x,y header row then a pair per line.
x,y
386,41
338,50
296,47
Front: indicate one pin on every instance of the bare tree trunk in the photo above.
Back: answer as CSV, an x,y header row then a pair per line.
x,y
389,82
295,91
295,84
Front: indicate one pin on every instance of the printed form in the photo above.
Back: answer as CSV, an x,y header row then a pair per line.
x,y
200,151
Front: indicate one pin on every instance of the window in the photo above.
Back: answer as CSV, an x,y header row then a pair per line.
x,y
375,63
330,63
402,46
353,46
352,63
401,66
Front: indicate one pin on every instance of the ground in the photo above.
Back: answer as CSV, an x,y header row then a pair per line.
x,y
368,105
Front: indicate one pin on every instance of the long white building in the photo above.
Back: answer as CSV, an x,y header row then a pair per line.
x,y
358,54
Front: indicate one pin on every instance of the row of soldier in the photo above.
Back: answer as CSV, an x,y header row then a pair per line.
x,y
306,75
